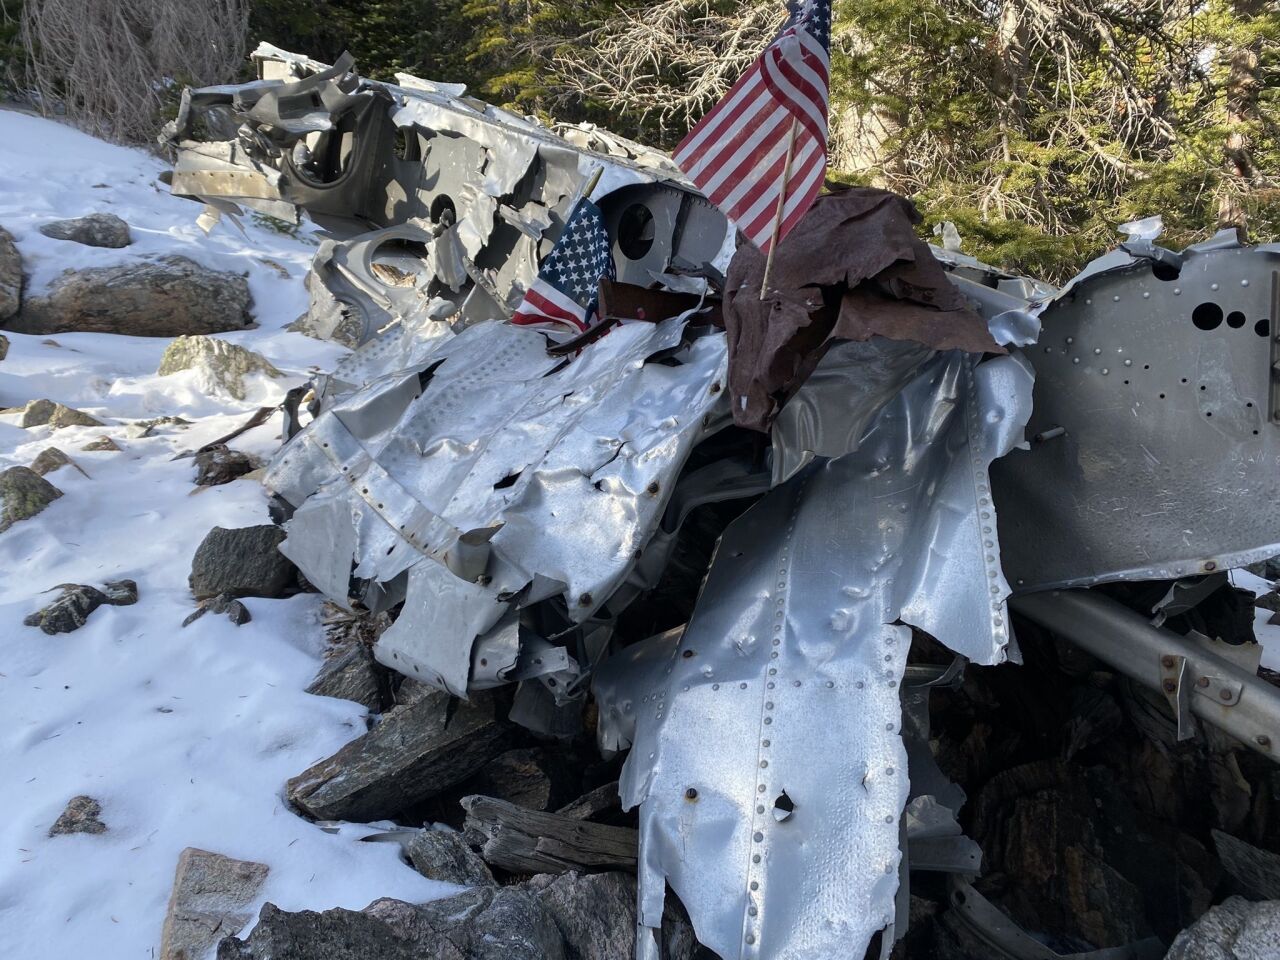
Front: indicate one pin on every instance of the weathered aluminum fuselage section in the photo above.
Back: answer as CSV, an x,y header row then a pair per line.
x,y
490,189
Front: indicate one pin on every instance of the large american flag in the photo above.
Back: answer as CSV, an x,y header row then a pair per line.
x,y
737,153
566,290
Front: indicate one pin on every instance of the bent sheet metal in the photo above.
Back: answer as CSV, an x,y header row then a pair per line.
x,y
786,683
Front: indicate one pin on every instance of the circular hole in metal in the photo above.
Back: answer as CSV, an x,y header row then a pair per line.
x,y
1263,327
1235,319
1207,315
1164,271
635,231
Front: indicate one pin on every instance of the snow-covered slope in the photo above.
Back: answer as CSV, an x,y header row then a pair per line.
x,y
186,736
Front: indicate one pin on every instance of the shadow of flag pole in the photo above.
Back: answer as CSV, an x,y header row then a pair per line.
x,y
782,203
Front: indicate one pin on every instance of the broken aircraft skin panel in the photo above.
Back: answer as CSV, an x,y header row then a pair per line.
x,y
786,683
464,198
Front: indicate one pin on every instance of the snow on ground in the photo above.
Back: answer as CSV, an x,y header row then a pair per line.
x,y
185,736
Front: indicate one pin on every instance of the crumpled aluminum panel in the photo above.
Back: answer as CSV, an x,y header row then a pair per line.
x,y
787,677
507,476
1158,439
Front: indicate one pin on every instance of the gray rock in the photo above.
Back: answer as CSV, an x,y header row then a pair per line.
x,y
596,915
224,603
94,230
349,674
10,277
38,413
83,815
219,464
23,494
103,444
72,608
167,297
50,459
1234,930
418,751
1257,871
241,562
4,346
487,923
210,899
221,366
521,776
445,856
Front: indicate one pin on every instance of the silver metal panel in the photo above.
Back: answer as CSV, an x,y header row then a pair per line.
x,y
532,475
787,678
1157,455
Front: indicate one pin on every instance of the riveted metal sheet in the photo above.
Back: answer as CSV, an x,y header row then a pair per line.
x,y
787,678
552,473
1156,454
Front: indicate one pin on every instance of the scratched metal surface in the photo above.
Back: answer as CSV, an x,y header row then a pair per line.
x,y
1166,460
787,677
509,476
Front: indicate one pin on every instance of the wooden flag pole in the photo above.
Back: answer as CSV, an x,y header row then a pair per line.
x,y
782,203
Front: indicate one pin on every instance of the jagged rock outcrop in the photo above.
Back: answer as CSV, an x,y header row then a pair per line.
x,y
165,297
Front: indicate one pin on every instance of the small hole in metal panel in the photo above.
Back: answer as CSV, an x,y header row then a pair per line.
x,y
1263,327
1235,319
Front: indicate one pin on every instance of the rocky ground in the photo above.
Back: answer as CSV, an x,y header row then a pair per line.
x,y
201,757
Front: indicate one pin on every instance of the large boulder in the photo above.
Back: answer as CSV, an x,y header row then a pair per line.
x,y
94,230
487,923
571,917
221,366
419,750
211,896
23,494
10,277
241,562
1234,930
165,297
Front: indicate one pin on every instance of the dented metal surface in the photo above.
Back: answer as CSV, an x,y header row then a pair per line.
x,y
513,504
787,678
465,198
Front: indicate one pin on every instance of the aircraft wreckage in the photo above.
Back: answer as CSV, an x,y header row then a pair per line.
x,y
897,439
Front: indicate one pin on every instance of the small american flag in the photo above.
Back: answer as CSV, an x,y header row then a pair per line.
x,y
738,152
566,290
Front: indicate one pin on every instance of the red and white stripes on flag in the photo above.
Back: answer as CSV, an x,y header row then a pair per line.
x,y
738,152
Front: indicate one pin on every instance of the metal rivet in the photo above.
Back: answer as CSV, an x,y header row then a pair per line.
x,y
691,794
1225,694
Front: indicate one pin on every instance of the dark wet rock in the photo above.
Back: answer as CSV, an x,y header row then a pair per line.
x,y
50,459
211,898
445,856
23,494
220,464
38,413
10,277
223,603
103,444
523,777
1256,871
1234,930
165,297
350,673
82,815
417,751
72,608
94,230
241,562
